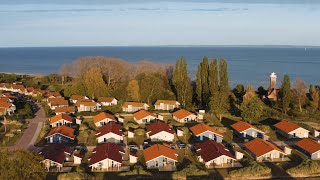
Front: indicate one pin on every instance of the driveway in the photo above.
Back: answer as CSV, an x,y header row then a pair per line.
x,y
31,134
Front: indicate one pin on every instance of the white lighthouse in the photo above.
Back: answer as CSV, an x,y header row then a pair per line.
x,y
272,93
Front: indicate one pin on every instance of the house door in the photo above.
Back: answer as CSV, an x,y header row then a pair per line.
x,y
244,134
294,134
104,139
210,136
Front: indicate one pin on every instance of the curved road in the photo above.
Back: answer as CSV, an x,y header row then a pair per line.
x,y
31,134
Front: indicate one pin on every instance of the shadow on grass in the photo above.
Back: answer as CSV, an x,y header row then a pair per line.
x,y
227,122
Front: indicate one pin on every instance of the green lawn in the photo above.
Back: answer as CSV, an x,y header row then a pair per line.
x,y
12,135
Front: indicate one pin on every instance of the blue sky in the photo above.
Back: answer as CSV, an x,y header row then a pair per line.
x,y
141,22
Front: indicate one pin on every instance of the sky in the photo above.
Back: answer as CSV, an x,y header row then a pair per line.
x,y
38,23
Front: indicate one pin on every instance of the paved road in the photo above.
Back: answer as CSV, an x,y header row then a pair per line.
x,y
31,134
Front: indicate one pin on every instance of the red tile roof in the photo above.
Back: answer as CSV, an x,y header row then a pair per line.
x,y
55,152
60,117
201,128
171,102
58,101
159,150
309,145
142,114
5,105
210,150
260,147
69,109
286,126
110,128
77,97
64,130
106,99
241,126
106,151
182,113
157,127
102,116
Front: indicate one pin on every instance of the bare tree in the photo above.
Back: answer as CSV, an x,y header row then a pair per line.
x,y
300,93
65,71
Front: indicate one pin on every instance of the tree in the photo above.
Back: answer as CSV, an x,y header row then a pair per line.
x,y
252,109
224,89
214,86
182,83
250,93
286,93
94,83
300,93
238,90
152,88
314,93
65,71
199,84
133,90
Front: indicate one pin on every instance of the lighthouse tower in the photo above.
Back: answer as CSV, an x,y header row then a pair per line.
x,y
273,81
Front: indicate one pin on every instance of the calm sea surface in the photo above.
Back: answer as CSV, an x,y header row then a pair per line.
x,y
247,65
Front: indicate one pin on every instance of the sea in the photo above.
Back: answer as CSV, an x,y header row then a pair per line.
x,y
247,65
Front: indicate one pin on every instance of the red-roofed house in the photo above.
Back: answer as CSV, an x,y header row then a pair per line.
x,y
55,155
7,108
88,105
160,131
166,104
53,103
110,132
61,119
108,101
309,147
203,132
103,119
134,106
106,156
65,110
245,130
291,130
213,154
75,98
184,116
160,157
262,150
144,116
61,134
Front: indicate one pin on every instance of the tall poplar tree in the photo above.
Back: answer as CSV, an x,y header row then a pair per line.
x,y
286,93
199,84
205,82
182,83
214,86
224,89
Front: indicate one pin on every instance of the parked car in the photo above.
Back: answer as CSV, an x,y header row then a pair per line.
x,y
133,147
172,146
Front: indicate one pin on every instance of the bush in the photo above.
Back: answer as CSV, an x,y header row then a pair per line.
x,y
190,170
71,175
251,168
137,170
307,167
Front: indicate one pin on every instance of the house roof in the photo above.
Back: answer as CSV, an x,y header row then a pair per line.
x,y
77,97
241,126
55,152
286,126
134,104
64,130
5,105
58,101
102,116
69,109
201,128
159,150
260,147
142,114
309,145
106,151
182,113
106,99
59,117
157,127
53,93
171,102
86,102
2,110
4,100
210,150
110,128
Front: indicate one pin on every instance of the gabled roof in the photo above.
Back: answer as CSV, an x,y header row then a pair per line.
x,y
64,130
106,99
86,102
182,113
171,102
260,147
58,101
201,128
102,116
69,109
241,126
134,104
157,127
5,105
309,145
53,93
77,97
110,128
142,114
286,126
55,152
59,117
159,150
106,151
210,150
4,100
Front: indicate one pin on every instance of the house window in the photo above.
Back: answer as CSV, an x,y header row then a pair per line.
x,y
294,134
157,163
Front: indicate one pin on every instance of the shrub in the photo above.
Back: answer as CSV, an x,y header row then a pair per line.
x,y
137,170
190,170
307,167
71,175
251,168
